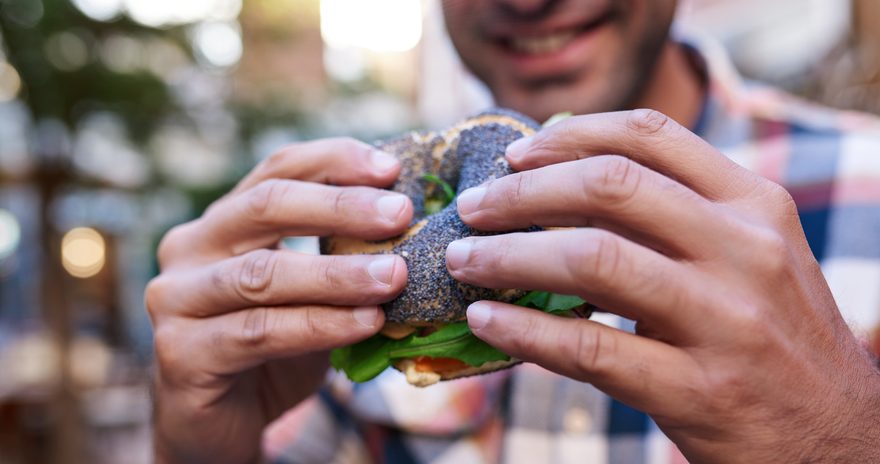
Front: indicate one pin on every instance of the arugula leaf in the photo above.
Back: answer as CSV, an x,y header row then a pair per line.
x,y
363,360
367,359
451,341
436,204
552,303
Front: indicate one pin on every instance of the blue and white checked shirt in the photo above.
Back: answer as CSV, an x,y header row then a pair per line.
x,y
829,161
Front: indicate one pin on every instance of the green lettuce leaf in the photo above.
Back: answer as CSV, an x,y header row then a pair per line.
x,y
367,359
436,203
452,341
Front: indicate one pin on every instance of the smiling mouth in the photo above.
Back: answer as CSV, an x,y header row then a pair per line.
x,y
551,42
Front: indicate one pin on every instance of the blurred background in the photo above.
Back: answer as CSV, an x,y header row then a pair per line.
x,y
121,118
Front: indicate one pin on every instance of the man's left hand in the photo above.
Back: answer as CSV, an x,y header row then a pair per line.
x,y
740,352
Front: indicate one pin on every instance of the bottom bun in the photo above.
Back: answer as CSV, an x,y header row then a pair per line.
x,y
424,379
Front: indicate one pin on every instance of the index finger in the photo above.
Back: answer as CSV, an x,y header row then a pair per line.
x,y
647,137
335,161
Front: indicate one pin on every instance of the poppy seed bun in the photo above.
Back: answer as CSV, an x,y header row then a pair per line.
x,y
465,155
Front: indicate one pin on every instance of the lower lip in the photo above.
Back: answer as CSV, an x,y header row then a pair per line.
x,y
554,64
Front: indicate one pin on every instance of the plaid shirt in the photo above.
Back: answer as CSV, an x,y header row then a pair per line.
x,y
828,160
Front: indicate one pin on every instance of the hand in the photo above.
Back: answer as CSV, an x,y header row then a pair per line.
x,y
241,328
740,353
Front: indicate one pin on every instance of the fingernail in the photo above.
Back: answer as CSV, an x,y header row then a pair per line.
x,y
518,148
457,253
469,200
478,315
382,161
382,269
391,206
366,316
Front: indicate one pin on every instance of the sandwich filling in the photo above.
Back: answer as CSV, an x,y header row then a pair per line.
x,y
449,352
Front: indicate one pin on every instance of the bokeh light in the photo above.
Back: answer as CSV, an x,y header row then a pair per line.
x,y
67,51
10,234
218,44
83,252
100,10
378,25
160,13
121,53
10,82
25,13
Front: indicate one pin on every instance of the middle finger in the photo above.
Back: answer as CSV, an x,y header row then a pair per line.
x,y
280,277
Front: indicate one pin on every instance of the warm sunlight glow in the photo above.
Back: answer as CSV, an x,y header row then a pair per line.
x,y
377,25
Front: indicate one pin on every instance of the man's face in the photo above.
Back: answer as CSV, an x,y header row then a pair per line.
x,y
542,57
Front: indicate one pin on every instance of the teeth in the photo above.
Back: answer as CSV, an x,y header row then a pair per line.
x,y
545,44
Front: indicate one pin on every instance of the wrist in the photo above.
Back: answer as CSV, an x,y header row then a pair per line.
x,y
851,431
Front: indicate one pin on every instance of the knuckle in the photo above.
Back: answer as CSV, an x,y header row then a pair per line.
x,y
598,264
342,199
773,254
171,243
591,348
276,161
518,188
338,202
155,296
646,123
262,198
748,316
311,327
786,207
255,332
530,342
726,390
255,275
619,182
351,148
330,273
608,259
166,346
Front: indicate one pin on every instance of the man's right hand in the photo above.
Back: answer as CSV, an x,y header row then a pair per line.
x,y
242,328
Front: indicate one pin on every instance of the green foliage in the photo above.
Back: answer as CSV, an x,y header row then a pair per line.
x,y
140,98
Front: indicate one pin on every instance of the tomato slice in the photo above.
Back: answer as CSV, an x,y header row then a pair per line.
x,y
438,365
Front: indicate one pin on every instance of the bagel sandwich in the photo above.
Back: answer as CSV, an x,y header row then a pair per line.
x,y
426,335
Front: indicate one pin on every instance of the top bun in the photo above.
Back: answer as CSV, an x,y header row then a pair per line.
x,y
464,156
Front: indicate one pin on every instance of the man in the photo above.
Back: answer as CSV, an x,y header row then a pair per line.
x,y
739,352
